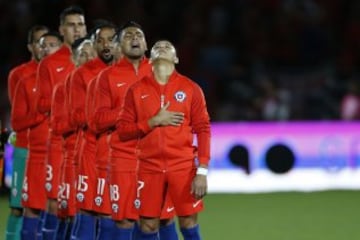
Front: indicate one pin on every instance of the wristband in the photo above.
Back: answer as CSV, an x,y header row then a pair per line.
x,y
202,171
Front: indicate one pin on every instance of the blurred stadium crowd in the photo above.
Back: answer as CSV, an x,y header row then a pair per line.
x,y
255,59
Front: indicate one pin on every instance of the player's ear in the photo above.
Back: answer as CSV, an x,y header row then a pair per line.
x,y
29,47
176,60
61,30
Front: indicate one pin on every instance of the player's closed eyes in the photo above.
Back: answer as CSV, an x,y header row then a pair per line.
x,y
50,45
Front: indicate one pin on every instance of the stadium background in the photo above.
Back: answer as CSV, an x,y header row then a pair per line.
x,y
269,61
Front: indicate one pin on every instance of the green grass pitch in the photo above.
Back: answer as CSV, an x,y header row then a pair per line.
x,y
329,215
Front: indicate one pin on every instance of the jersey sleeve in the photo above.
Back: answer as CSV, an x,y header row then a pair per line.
x,y
13,79
105,114
128,128
22,116
89,105
200,122
60,114
77,99
44,88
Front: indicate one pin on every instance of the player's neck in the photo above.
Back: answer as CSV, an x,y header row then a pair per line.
x,y
135,62
162,71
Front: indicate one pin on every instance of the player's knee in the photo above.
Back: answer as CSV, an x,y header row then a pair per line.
x,y
31,212
188,221
17,212
166,222
149,225
52,206
125,223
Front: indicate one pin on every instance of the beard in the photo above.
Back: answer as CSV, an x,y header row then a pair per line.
x,y
106,60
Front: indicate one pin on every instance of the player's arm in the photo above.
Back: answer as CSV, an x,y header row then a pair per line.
x,y
58,119
77,100
12,82
44,88
105,114
127,126
22,117
200,122
89,106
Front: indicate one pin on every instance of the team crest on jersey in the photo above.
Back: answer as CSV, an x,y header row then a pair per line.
x,y
180,96
14,192
137,203
80,197
48,186
98,201
63,204
25,196
115,207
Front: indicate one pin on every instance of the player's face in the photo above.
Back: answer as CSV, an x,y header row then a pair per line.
x,y
85,53
164,50
133,43
117,51
49,45
34,47
73,28
104,45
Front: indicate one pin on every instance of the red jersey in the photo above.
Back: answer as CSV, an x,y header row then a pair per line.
x,y
52,69
24,71
23,112
79,83
60,117
25,99
20,72
167,147
111,88
101,138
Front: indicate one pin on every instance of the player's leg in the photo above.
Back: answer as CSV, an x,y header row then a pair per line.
x,y
102,206
167,224
54,162
33,198
123,187
186,205
151,196
86,184
14,222
67,203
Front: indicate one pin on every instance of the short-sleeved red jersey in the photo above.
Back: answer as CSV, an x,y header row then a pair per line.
x,y
167,147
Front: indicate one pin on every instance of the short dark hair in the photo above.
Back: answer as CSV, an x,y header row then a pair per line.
x,y
70,11
126,25
33,30
53,34
78,42
100,24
